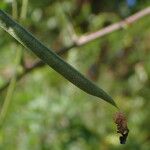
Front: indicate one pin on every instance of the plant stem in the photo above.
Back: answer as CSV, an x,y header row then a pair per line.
x,y
11,89
24,9
14,9
12,84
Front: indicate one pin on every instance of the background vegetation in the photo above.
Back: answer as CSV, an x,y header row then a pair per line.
x,y
43,111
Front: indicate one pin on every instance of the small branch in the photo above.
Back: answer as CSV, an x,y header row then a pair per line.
x,y
116,26
85,39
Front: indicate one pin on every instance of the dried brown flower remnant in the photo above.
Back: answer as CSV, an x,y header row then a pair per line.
x,y
122,127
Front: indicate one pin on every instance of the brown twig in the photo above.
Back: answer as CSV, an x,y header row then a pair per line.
x,y
116,26
85,39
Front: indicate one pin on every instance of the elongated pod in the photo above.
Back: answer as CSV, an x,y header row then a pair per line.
x,y
52,59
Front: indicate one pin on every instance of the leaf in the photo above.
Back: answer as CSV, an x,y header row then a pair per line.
x,y
50,58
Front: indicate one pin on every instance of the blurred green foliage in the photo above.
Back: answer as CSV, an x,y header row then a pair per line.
x,y
46,111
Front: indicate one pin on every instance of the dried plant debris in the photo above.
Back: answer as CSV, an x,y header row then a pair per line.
x,y
122,128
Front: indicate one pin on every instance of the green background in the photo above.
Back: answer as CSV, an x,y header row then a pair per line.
x,y
45,111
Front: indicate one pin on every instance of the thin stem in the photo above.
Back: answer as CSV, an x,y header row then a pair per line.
x,y
14,79
7,99
24,9
14,9
11,89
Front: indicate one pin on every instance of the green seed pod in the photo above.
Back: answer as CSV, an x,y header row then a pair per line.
x,y
51,58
